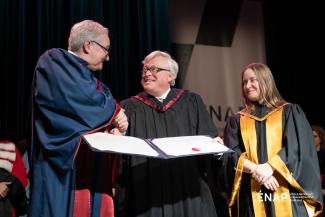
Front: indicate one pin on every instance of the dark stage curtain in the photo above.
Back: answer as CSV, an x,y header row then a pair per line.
x,y
294,33
29,27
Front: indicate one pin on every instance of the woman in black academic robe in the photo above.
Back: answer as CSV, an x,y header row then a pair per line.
x,y
274,169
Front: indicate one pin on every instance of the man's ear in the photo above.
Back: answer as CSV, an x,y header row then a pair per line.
x,y
86,47
171,76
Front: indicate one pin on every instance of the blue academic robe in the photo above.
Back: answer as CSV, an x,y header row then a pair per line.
x,y
67,179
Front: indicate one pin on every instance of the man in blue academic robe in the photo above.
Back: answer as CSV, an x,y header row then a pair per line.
x,y
67,179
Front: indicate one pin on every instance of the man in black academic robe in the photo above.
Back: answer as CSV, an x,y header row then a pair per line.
x,y
175,187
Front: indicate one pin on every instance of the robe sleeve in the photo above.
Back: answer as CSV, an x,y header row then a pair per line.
x,y
17,193
127,105
298,156
232,139
210,164
205,126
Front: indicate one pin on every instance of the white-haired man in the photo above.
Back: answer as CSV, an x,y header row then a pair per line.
x,y
67,179
162,188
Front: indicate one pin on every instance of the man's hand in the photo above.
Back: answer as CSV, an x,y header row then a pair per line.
x,y
115,132
121,121
4,189
218,139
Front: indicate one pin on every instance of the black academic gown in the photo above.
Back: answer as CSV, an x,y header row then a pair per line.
x,y
321,161
297,158
175,187
16,202
12,170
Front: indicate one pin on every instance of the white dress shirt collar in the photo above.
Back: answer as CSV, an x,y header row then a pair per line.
x,y
163,97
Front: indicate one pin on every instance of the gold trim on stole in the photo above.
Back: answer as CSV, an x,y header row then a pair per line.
x,y
234,199
281,197
248,132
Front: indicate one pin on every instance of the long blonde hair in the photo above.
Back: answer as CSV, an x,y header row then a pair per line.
x,y
269,94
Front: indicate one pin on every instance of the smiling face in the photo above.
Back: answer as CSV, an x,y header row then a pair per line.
x,y
251,87
156,83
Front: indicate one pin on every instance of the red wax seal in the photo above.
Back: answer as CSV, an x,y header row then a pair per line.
x,y
196,149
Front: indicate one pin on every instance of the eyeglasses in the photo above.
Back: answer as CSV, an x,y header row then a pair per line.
x,y
107,51
153,69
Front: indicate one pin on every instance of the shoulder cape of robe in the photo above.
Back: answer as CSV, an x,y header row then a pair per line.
x,y
68,101
283,138
175,187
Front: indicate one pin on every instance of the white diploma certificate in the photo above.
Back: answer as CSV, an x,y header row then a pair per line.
x,y
167,147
